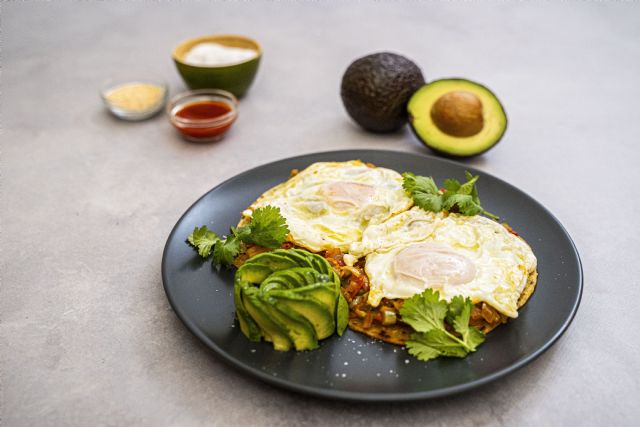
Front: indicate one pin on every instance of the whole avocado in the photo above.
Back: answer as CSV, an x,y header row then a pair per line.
x,y
376,88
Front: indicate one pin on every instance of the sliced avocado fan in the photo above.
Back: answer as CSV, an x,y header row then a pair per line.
x,y
290,298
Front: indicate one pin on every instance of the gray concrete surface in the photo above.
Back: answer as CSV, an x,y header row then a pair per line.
x,y
87,335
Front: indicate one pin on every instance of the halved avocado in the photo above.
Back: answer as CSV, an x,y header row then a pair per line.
x,y
457,117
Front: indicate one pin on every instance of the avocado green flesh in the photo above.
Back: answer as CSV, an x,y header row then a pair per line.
x,y
321,293
299,257
290,298
323,266
253,273
314,311
342,316
298,329
275,260
295,277
269,325
275,283
420,118
248,327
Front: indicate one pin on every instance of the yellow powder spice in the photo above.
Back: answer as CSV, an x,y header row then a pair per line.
x,y
135,96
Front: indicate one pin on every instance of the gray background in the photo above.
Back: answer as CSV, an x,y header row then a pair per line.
x,y
87,202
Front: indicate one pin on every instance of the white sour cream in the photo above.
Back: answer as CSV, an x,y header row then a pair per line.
x,y
215,54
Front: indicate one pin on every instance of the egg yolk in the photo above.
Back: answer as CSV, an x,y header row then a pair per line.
x,y
347,195
434,265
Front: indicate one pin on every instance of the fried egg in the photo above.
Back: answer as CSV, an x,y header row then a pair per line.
x,y
472,256
329,204
413,225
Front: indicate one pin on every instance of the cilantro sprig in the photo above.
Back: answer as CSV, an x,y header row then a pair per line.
x,y
267,228
203,240
429,317
454,197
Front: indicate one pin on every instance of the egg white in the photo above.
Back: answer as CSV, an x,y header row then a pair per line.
x,y
413,225
329,204
472,256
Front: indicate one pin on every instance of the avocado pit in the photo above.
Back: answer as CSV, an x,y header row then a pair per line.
x,y
458,113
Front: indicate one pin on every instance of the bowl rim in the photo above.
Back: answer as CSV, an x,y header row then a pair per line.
x,y
213,37
226,118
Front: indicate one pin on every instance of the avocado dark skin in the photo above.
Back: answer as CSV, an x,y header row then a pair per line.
x,y
376,88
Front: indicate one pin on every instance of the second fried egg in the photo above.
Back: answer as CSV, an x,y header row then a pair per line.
x,y
454,254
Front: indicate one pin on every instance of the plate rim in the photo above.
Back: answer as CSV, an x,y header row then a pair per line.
x,y
363,396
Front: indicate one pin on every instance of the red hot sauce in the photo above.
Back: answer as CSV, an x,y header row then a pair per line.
x,y
204,120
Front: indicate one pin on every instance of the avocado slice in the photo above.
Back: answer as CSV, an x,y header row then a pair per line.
x,y
457,117
342,316
289,297
375,90
259,267
299,257
275,260
270,326
252,273
298,329
322,265
314,311
321,292
294,278
247,326
281,259
274,282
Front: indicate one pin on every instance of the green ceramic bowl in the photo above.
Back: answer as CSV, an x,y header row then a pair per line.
x,y
235,78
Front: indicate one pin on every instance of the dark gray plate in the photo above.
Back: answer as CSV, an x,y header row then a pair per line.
x,y
355,367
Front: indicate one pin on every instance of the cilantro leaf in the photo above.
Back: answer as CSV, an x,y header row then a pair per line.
x,y
203,240
458,316
424,191
452,185
456,308
441,341
427,315
424,311
225,251
428,202
456,197
474,338
241,233
412,183
461,203
474,190
268,228
469,186
418,348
